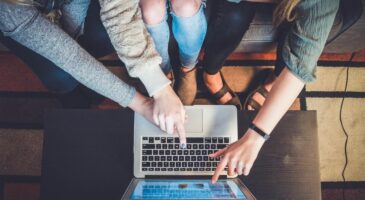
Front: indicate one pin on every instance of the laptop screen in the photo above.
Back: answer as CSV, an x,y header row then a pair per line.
x,y
186,189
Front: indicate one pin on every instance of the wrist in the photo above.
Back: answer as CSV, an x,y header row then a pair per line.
x,y
163,91
253,137
138,102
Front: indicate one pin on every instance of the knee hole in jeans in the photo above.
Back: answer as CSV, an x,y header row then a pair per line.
x,y
185,8
153,11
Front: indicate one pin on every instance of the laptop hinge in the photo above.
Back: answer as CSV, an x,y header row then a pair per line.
x,y
180,177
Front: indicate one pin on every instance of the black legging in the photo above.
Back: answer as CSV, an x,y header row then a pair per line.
x,y
228,22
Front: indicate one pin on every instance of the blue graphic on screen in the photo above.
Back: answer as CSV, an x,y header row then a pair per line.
x,y
187,189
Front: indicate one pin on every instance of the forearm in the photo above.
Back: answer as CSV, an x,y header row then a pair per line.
x,y
123,22
48,40
282,95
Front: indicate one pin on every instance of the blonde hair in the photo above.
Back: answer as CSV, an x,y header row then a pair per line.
x,y
284,11
22,2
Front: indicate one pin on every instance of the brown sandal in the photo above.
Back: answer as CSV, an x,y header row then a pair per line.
x,y
218,95
261,90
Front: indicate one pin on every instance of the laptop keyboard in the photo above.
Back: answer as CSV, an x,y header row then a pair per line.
x,y
164,153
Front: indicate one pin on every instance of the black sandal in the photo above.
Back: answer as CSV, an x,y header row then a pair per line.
x,y
218,95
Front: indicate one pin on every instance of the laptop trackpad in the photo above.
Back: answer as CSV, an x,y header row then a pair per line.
x,y
194,123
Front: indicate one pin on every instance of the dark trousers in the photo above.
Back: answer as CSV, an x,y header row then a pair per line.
x,y
95,40
227,24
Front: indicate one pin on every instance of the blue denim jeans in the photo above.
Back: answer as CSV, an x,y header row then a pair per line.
x,y
189,33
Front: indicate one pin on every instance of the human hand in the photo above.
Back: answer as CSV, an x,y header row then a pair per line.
x,y
143,105
169,113
239,156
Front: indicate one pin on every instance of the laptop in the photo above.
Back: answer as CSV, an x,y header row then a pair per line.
x,y
163,170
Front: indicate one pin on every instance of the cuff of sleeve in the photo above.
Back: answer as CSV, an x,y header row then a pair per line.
x,y
154,80
128,97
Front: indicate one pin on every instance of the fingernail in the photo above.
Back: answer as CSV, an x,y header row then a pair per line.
x,y
183,146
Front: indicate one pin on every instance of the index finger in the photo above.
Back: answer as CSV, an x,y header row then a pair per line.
x,y
181,132
219,169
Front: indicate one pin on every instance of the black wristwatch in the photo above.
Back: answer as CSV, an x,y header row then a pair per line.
x,y
259,131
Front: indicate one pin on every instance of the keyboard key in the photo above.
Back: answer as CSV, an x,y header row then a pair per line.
x,y
195,146
146,164
181,158
171,146
209,164
179,152
144,169
182,169
207,169
158,146
178,164
154,164
200,158
175,158
202,164
186,152
201,146
177,146
207,146
144,138
188,146
196,164
207,140
157,169
173,152
164,146
155,152
226,140
148,146
189,169
150,158
159,164
161,152
163,140
195,169
184,164
157,138
201,169
144,158
170,140
192,152
163,158
213,146
210,151
194,140
187,158
163,169
204,152
177,140
214,140
170,169
166,164
198,152
205,158
220,140
193,158
167,152
176,169
190,164
150,169
172,164
157,158
169,158
151,140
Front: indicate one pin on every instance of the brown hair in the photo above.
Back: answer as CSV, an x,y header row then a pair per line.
x,y
284,11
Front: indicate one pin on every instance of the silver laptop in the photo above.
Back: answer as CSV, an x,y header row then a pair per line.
x,y
163,170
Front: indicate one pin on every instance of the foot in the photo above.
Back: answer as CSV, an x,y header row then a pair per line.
x,y
214,83
187,85
269,82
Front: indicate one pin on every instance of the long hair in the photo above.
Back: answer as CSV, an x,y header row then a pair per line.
x,y
22,2
284,11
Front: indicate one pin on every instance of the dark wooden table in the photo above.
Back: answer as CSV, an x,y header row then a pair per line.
x,y
88,154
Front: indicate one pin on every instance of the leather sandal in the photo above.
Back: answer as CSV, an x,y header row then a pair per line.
x,y
224,90
261,90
